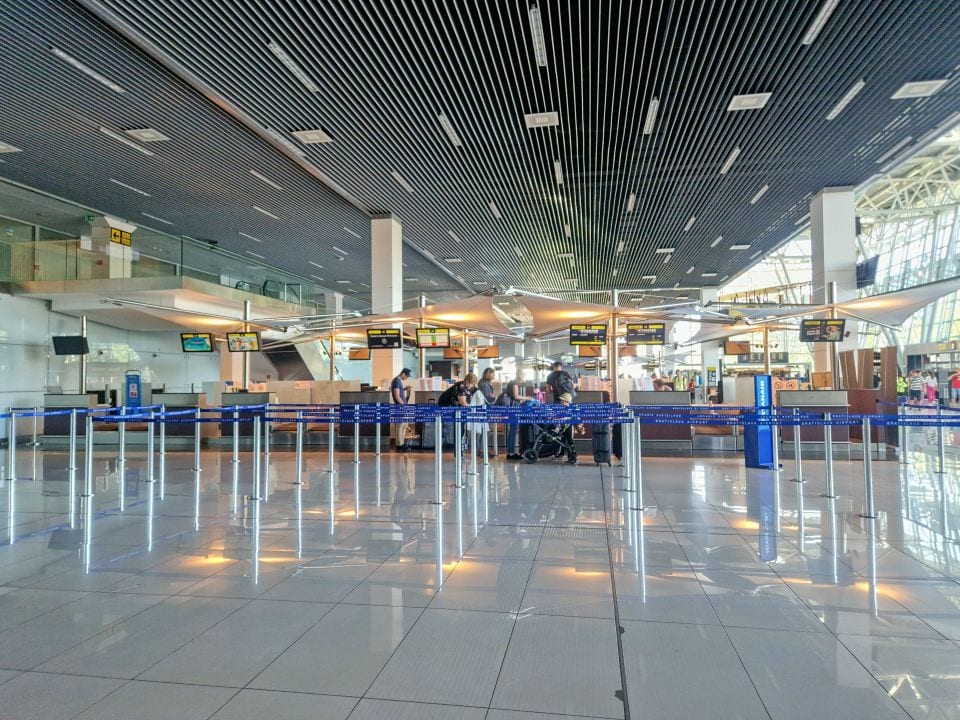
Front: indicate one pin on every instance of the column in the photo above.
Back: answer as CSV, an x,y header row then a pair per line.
x,y
333,305
833,246
710,350
386,289
112,240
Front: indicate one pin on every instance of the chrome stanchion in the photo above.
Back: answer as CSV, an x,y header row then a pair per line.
x,y
298,477
356,434
828,456
486,472
122,459
150,459
163,446
496,440
775,436
266,431
797,459
331,470
236,460
870,512
87,497
438,496
941,459
376,448
72,471
34,442
257,430
903,434
196,440
458,461
12,446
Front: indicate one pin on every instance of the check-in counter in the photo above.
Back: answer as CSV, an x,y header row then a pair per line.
x,y
364,397
671,436
818,402
248,398
179,401
59,425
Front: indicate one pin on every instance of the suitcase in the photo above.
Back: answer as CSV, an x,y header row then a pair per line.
x,y
428,436
618,441
601,444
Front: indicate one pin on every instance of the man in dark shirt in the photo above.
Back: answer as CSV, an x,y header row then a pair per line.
x,y
560,382
457,395
398,395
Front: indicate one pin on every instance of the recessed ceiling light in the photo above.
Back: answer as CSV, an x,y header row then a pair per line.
x,y
566,255
731,159
256,255
125,140
340,258
621,246
690,269
894,150
250,237
479,282
316,265
717,241
740,247
453,260
757,253
317,277
351,232
86,70
495,210
826,10
282,139
754,101
338,250
343,282
411,279
802,220
518,251
651,278
760,193
631,202
456,238
558,172
401,181
690,222
158,219
541,120
146,135
266,212
568,231
708,274
664,250
651,120
666,259
297,71
130,187
312,137
676,284
5,148
922,88
536,34
449,130
263,178
846,99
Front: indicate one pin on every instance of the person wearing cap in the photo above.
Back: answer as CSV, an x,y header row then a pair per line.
x,y
399,394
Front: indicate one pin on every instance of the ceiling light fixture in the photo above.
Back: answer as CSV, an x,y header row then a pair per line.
x,y
541,120
495,210
297,71
125,140
338,250
147,135
343,282
130,187
456,238
802,220
86,70
664,250
317,277
536,34
558,172
690,222
518,251
690,269
449,130
755,255
250,237
621,246
568,231
922,88
731,159
894,150
846,99
5,148
708,274
312,137
826,10
453,260
760,194
667,259
256,255
266,212
282,139
411,279
351,232
740,247
401,181
158,219
650,278
616,271
263,178
651,120
754,101
717,241
631,202
316,265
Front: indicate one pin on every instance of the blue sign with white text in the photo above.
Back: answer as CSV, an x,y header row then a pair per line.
x,y
131,389
758,439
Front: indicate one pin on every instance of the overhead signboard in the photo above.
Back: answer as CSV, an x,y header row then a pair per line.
x,y
732,347
196,342
243,342
822,330
776,358
384,339
654,333
121,237
433,337
588,334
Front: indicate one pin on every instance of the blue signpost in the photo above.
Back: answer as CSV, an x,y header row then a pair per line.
x,y
131,389
758,438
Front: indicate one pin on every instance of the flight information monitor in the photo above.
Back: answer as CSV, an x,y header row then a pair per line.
x,y
646,333
243,342
70,345
433,337
588,335
196,342
385,339
822,330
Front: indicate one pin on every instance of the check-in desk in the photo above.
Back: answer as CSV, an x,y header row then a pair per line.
x,y
59,425
664,437
817,402
179,401
365,397
248,398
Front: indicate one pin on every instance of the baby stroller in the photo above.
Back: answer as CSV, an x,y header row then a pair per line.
x,y
550,441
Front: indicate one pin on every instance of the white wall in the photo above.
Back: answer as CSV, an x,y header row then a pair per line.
x,y
28,365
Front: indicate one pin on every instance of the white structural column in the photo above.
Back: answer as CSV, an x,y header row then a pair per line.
x,y
833,245
386,289
710,350
333,305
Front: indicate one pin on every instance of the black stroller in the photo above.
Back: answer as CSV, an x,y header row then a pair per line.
x,y
547,441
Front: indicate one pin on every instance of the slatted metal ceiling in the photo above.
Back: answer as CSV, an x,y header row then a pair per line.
x,y
384,73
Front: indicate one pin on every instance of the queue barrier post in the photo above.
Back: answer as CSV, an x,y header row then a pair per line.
x,y
797,445
12,446
904,434
869,511
236,461
356,434
87,497
941,458
72,471
486,470
196,440
34,442
163,444
298,480
828,456
122,459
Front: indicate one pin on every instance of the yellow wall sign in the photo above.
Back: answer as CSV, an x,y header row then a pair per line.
x,y
121,237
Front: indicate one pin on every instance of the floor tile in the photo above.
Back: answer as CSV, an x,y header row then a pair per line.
x,y
261,704
519,715
566,589
159,701
758,600
664,596
369,709
18,605
484,584
42,696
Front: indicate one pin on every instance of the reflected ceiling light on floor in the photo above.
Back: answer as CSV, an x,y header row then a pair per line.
x,y
754,101
298,72
716,242
826,10
126,141
147,135
495,210
130,187
690,222
86,70
541,120
846,99
6,148
266,212
249,237
760,193
158,219
449,130
631,202
282,139
256,255
312,137
401,181
922,88
731,159
536,35
558,172
740,247
894,150
651,120
264,179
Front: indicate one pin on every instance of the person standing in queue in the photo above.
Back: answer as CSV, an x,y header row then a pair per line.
x,y
457,395
955,387
511,397
399,394
560,382
485,386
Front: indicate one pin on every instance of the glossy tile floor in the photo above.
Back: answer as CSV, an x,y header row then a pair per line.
x,y
542,594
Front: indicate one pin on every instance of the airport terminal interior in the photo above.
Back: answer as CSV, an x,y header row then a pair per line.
x,y
479,359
